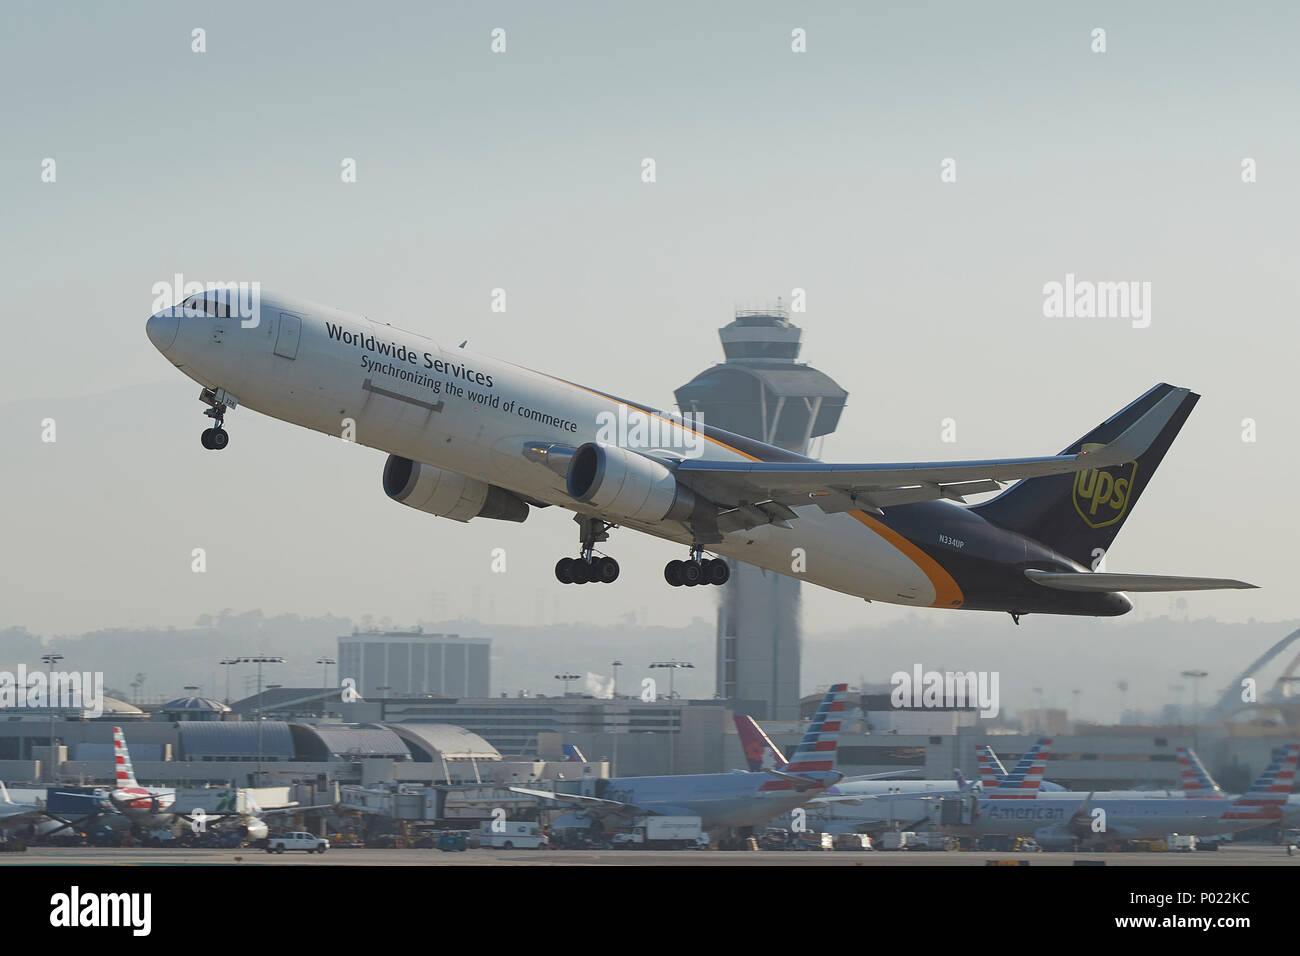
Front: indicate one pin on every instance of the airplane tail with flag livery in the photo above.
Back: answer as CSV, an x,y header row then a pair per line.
x,y
989,766
1267,795
812,765
816,752
1026,777
1195,779
123,771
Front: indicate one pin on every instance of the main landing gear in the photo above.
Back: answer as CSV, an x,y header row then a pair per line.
x,y
216,437
588,567
587,570
698,570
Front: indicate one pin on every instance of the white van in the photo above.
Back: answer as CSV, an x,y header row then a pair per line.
x,y
510,835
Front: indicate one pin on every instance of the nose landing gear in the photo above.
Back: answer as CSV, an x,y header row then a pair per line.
x,y
217,400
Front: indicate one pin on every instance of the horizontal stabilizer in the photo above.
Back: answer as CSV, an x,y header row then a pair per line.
x,y
1105,581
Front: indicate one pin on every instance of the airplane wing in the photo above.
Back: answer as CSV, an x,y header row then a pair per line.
x,y
765,492
846,799
1106,581
800,782
293,809
593,805
16,814
883,775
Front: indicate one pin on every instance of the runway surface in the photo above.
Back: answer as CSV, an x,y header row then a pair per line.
x,y
98,856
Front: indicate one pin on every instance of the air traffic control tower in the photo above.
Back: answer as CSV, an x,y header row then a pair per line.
x,y
762,392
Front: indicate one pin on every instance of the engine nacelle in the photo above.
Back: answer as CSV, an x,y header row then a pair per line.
x,y
1056,838
627,485
447,494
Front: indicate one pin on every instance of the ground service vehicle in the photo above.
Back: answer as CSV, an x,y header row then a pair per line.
x,y
897,840
660,833
510,835
450,841
928,840
852,841
297,841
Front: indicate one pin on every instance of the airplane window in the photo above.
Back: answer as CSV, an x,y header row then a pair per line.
x,y
212,307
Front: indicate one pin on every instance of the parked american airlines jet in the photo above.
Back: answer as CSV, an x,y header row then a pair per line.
x,y
1064,819
475,437
146,806
722,801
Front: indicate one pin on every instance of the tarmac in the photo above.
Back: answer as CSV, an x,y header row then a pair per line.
x,y
108,856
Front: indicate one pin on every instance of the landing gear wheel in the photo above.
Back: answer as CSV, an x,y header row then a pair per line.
x,y
581,571
220,439
717,571
206,438
606,570
692,573
564,570
673,573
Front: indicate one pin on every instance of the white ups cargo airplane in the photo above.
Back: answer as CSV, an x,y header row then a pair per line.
x,y
474,437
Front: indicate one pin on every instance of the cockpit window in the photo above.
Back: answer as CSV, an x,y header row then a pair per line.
x,y
211,306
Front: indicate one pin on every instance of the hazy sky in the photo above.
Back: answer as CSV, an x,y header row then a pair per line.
x,y
521,170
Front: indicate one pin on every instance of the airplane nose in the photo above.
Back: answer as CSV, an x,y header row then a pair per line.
x,y
161,329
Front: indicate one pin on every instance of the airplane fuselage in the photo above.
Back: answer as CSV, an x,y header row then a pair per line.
x,y
720,800
1117,819
473,415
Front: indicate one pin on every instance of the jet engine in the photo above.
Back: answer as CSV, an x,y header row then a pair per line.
x,y
448,494
627,485
1056,838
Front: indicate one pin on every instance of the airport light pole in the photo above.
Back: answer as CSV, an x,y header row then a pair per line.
x,y
259,661
565,679
325,682
613,710
673,666
228,662
1195,677
50,660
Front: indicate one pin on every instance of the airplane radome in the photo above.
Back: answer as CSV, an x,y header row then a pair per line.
x,y
470,436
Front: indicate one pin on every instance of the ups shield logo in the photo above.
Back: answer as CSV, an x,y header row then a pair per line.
x,y
1101,495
